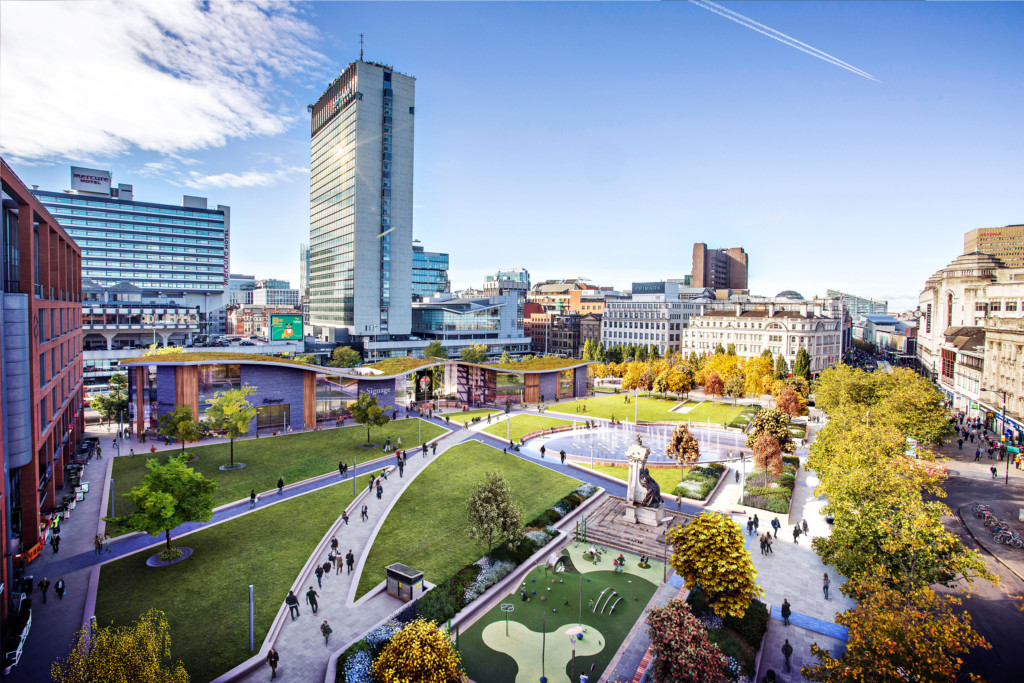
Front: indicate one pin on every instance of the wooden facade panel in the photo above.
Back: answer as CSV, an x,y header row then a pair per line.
x,y
186,388
141,373
532,388
309,399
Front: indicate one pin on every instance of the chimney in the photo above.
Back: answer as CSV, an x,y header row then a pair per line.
x,y
739,309
771,309
803,309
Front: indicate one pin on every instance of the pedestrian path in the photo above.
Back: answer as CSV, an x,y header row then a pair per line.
x,y
304,654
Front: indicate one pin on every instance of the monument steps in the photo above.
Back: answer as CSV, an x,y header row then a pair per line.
x,y
608,526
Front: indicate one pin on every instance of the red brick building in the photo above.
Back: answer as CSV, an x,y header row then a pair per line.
x,y
250,319
41,370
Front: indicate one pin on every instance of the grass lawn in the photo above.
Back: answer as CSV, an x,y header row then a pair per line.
x,y
294,457
426,528
650,409
482,663
467,416
206,596
667,477
523,424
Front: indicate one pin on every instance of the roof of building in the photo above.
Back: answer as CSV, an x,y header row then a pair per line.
x,y
789,294
965,338
759,313
881,319
210,357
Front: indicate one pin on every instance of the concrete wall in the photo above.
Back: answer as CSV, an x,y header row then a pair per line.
x,y
275,386
580,382
549,385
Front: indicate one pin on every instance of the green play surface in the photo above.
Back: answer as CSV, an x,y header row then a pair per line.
x,y
488,654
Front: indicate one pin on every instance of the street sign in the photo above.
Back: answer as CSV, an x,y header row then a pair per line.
x,y
508,607
1013,449
1007,432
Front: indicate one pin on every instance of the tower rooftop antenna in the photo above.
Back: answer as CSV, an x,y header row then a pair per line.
x,y
360,47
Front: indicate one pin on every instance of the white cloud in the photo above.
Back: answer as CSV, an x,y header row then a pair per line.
x,y
88,79
247,179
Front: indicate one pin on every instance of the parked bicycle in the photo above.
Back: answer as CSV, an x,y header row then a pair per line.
x,y
1010,538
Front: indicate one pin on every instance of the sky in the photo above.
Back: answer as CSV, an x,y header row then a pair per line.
x,y
844,145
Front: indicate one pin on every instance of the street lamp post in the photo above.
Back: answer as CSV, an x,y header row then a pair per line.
x,y
1002,426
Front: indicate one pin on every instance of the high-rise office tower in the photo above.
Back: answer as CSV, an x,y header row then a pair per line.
x,y
719,268
1006,243
360,204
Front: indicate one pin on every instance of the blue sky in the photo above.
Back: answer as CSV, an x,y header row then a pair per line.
x,y
573,139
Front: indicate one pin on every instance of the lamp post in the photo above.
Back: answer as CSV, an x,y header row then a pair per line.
x,y
664,539
1002,425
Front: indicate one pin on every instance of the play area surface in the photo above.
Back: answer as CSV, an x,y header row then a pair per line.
x,y
612,603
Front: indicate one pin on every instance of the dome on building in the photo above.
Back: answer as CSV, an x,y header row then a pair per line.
x,y
789,294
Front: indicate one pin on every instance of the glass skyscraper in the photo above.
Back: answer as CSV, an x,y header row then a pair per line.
x,y
360,207
429,273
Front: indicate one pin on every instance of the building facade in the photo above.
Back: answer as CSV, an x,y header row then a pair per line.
x,y
240,289
782,326
361,192
858,305
429,273
653,314
266,296
719,268
512,282
40,372
175,257
1006,244
254,319
1004,372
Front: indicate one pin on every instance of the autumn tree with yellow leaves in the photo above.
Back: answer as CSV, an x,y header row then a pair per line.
x,y
419,653
139,652
710,551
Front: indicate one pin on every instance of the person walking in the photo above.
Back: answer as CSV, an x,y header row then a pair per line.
x,y
543,450
380,490
757,522
106,542
994,472
796,533
960,444
750,526
252,499
763,551
401,468
319,571
433,448
344,516
350,560
98,542
272,659
326,630
561,454
768,543
311,596
293,605
363,512
825,585
326,566
60,588
44,586
339,563
977,455
99,452
776,525
786,611
787,652
806,531
55,542
280,486
341,468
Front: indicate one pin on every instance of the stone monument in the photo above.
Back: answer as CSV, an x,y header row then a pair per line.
x,y
642,493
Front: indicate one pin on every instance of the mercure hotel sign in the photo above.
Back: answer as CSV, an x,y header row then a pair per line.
x,y
90,180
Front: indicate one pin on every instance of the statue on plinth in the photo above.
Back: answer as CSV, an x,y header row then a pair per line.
x,y
653,498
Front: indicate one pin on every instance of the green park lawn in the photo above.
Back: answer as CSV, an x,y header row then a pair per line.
x,y
206,596
524,424
667,477
648,409
467,416
426,529
295,457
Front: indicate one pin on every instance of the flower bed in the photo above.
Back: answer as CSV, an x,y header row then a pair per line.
x,y
743,419
738,639
773,495
700,481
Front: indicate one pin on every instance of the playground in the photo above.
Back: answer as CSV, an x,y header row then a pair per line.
x,y
538,635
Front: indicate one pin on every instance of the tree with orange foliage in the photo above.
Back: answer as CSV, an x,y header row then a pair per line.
x,y
714,386
791,404
768,456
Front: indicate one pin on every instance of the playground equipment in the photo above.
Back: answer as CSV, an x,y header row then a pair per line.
x,y
608,601
599,598
612,610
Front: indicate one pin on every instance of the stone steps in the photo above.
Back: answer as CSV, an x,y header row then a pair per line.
x,y
608,526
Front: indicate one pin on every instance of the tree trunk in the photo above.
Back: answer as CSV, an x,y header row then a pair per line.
x,y
232,452
367,435
680,471
167,533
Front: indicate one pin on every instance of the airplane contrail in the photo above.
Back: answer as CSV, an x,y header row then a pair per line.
x,y
779,36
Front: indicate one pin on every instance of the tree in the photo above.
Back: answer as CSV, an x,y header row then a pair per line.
x,y
435,350
731,350
139,652
719,349
157,350
768,456
654,353
231,413
646,382
714,385
615,354
735,387
345,357
474,353
802,364
506,357
757,375
710,551
781,367
493,514
682,651
308,359
683,447
662,382
916,636
365,411
791,404
113,404
168,496
774,422
179,424
599,352
420,652
641,353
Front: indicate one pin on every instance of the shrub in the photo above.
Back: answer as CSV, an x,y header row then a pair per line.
x,y
586,490
732,647
357,668
487,578
791,460
752,627
438,606
769,503
378,637
697,601
540,538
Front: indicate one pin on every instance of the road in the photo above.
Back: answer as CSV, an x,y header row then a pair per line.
x,y
995,610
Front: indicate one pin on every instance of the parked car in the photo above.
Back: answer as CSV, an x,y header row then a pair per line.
x,y
247,343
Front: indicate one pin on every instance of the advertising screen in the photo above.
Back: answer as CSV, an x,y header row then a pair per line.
x,y
285,327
